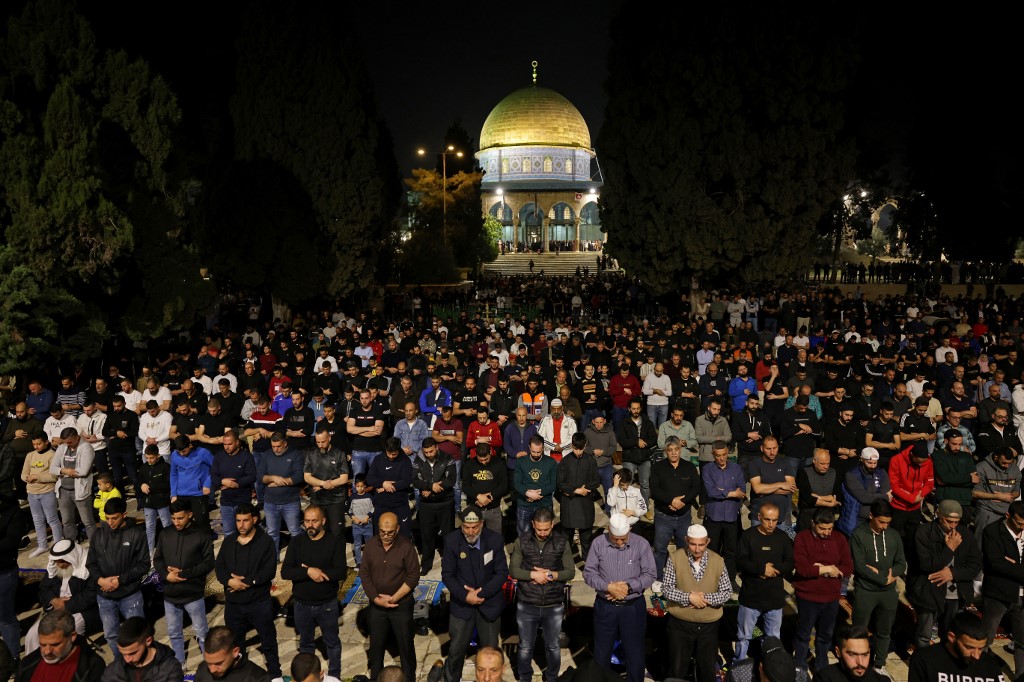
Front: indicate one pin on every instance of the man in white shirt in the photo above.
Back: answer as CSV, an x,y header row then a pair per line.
x,y
90,427
55,423
155,392
200,379
657,387
131,396
155,429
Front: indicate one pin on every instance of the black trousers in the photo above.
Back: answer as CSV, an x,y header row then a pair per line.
x,y
336,521
722,538
258,615
905,523
693,641
380,622
435,517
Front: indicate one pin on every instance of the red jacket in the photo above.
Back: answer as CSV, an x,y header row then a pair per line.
x,y
478,430
908,481
809,549
619,397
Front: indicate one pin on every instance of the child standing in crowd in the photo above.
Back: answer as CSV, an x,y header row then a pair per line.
x,y
106,491
361,511
624,497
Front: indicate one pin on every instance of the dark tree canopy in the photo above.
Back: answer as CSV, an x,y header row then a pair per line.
x,y
723,141
303,101
91,207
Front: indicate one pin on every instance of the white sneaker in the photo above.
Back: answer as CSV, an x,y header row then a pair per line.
x,y
883,673
38,551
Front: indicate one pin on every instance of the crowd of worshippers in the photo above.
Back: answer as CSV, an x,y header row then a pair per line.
x,y
842,464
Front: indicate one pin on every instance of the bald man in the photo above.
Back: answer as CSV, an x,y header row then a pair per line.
x,y
389,572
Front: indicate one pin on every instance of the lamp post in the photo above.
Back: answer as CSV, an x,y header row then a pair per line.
x,y
450,149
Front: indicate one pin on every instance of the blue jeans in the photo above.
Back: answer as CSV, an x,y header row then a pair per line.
x,y
523,517
164,514
9,628
261,487
607,476
745,621
44,513
227,520
176,625
665,528
528,617
274,513
128,607
307,617
657,414
361,460
641,475
361,533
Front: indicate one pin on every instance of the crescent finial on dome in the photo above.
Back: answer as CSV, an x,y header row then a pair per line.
x,y
534,63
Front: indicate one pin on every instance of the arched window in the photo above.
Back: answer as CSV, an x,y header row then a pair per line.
x,y
547,164
504,165
568,166
526,164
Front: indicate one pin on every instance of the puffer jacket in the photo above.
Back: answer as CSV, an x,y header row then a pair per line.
x,y
123,553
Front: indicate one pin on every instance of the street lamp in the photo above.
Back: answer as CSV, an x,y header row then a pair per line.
x,y
450,149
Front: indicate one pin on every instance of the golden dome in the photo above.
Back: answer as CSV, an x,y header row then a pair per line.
x,y
534,116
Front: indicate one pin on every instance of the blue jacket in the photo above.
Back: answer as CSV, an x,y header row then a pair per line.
x,y
429,404
412,436
484,566
189,475
736,388
513,442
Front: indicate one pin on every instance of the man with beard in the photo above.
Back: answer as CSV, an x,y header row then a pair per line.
x,y
67,588
843,437
389,575
961,656
61,655
853,649
577,483
534,480
246,565
770,482
542,563
315,563
184,559
485,481
474,568
749,427
940,581
325,470
435,478
141,659
223,660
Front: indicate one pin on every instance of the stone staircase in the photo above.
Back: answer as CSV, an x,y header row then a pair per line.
x,y
561,264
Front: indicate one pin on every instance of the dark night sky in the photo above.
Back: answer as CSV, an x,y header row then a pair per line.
x,y
430,69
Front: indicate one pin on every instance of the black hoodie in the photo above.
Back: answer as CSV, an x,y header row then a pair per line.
x,y
256,561
191,550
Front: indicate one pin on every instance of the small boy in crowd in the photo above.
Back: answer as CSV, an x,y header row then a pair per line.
x,y
361,510
106,491
625,498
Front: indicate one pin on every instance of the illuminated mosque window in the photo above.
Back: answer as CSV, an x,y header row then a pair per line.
x,y
568,166
504,165
547,164
526,164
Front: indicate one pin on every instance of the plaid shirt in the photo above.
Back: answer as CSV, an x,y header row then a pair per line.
x,y
673,593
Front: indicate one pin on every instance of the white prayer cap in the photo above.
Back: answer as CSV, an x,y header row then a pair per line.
x,y
618,524
697,531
